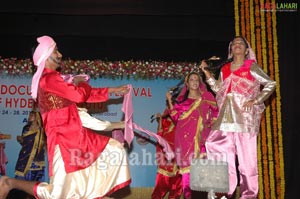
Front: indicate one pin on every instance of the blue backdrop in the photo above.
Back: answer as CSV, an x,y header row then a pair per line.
x,y
148,99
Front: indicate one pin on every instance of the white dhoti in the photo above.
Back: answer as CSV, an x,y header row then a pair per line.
x,y
107,174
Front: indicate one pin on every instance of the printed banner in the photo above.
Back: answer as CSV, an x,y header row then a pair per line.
x,y
148,99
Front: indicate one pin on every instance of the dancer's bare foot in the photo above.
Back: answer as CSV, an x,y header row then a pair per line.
x,y
4,187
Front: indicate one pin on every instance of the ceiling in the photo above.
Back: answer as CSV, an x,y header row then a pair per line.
x,y
119,29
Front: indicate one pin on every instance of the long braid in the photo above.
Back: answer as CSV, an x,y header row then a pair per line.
x,y
185,96
219,66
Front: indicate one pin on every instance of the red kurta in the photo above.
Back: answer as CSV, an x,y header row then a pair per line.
x,y
168,133
57,100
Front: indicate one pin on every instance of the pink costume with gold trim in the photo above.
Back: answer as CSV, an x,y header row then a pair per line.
x,y
194,119
235,131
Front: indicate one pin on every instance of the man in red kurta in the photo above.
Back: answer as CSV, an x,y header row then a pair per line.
x,y
79,159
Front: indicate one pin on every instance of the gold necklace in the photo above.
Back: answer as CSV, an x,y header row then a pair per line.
x,y
235,66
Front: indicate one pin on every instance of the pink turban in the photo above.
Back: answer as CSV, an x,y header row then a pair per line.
x,y
250,55
41,54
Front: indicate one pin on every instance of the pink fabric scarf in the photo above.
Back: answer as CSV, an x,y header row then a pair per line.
x,y
127,108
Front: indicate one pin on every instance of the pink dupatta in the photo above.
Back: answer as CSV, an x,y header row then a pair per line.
x,y
127,108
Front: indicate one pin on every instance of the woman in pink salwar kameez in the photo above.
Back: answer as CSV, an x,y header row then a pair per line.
x,y
240,101
194,114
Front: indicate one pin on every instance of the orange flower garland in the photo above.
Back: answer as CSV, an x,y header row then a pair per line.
x,y
259,27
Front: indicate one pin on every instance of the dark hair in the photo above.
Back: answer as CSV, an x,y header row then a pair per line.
x,y
219,66
186,94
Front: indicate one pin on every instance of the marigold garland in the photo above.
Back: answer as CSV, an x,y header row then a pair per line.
x,y
280,170
259,27
107,69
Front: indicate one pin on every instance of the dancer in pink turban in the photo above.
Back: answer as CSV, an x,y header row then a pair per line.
x,y
240,101
79,159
